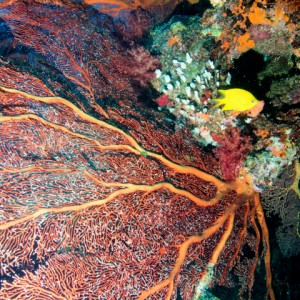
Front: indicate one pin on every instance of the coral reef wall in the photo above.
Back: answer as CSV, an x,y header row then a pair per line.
x,y
102,197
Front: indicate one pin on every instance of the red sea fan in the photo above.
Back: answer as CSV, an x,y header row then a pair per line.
x,y
232,151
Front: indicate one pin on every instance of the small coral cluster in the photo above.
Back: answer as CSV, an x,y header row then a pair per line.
x,y
189,86
141,65
269,29
188,80
232,151
193,69
285,91
274,151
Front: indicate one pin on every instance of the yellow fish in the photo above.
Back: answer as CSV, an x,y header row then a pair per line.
x,y
236,100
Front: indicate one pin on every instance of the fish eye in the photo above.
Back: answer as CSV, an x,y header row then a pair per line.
x,y
252,101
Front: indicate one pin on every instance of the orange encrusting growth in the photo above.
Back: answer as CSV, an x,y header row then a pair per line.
x,y
173,40
236,37
244,42
258,15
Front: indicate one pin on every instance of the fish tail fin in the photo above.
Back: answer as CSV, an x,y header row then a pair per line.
x,y
217,102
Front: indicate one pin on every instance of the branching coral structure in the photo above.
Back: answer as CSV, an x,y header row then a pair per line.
x,y
88,209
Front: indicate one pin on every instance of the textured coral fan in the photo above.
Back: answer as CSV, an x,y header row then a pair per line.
x,y
87,58
232,152
117,209
85,205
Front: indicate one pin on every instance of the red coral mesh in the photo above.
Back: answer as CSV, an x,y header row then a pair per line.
x,y
201,188
231,274
70,200
13,78
149,131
